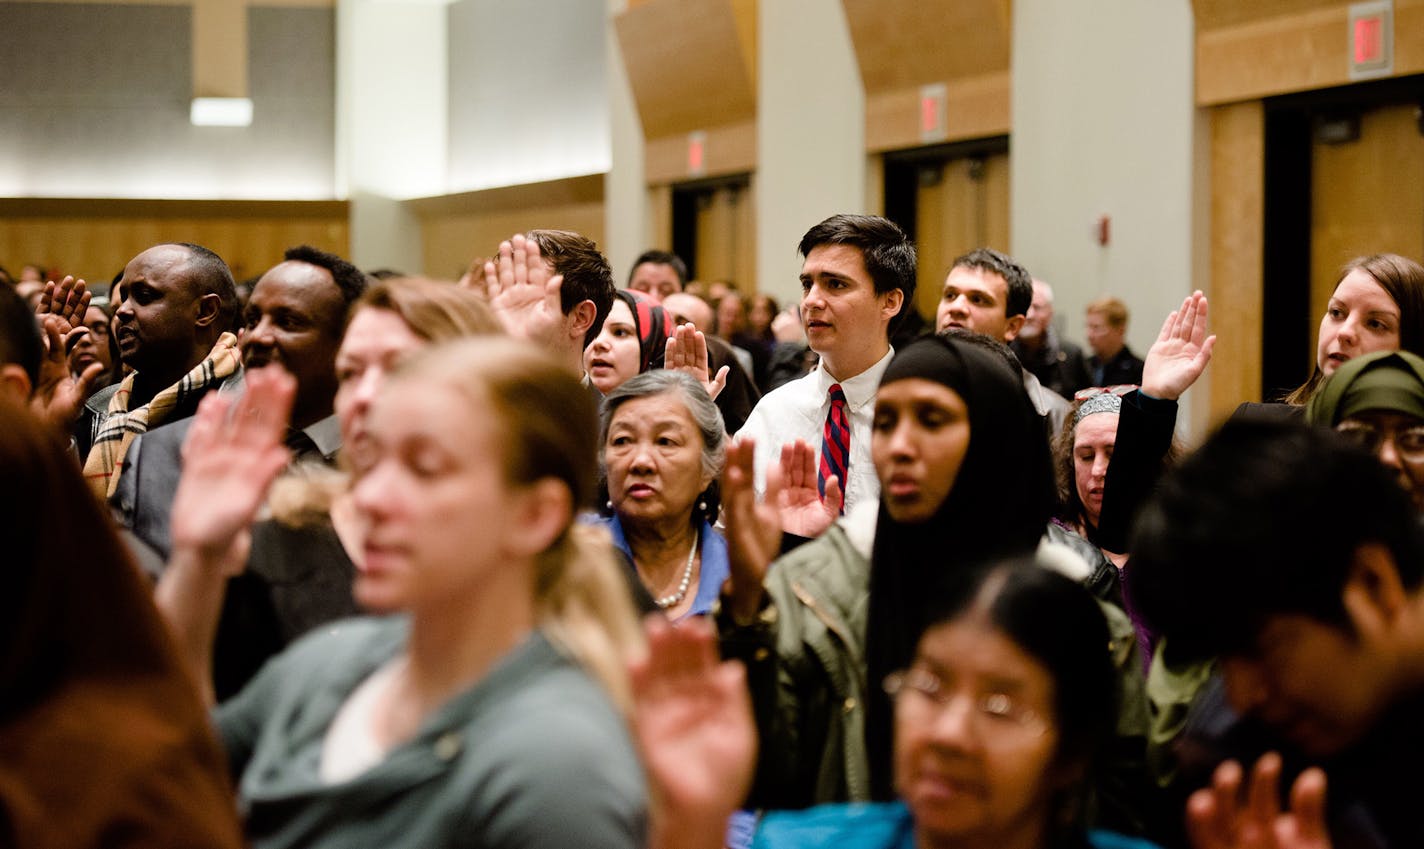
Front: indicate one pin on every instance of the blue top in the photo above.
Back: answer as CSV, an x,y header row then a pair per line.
x,y
715,566
864,825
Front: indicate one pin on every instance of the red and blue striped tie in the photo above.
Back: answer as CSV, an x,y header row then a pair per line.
x,y
835,443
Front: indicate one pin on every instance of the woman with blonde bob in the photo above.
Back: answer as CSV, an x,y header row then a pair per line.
x,y
484,709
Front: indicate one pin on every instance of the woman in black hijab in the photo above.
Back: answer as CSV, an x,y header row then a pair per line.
x,y
965,477
1000,499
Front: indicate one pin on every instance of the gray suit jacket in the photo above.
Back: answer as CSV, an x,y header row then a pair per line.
x,y
144,497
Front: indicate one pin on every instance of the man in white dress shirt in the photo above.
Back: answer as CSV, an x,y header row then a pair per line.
x,y
859,270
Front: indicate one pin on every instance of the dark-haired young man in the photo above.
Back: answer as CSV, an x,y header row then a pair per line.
x,y
658,274
857,275
564,320
294,319
172,329
1295,560
989,292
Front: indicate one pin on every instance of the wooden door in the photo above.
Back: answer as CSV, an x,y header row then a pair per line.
x,y
961,204
1367,196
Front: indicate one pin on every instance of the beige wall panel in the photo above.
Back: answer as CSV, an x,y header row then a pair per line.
x,y
1305,50
975,107
1236,288
684,76
1212,14
1367,197
450,240
730,149
904,43
219,48
660,217
95,239
726,235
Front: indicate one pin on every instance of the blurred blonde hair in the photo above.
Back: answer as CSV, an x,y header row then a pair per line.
x,y
547,430
434,310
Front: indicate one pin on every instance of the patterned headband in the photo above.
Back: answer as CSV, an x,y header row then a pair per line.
x,y
1103,402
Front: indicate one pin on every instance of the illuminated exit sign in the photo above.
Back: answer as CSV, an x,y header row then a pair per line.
x,y
934,104
1371,39
697,154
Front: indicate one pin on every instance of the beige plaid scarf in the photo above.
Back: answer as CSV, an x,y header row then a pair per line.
x,y
121,425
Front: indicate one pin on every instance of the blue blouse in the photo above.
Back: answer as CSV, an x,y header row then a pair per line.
x,y
715,566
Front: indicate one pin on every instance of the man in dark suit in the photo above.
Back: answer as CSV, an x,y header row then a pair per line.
x,y
1057,363
1112,363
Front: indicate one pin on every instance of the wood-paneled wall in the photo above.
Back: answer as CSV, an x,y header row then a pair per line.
x,y
458,228
1269,47
967,208
1236,289
96,238
1368,197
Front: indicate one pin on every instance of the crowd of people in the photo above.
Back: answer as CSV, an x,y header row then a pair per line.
x,y
530,560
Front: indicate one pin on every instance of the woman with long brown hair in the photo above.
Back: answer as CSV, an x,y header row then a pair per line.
x,y
103,740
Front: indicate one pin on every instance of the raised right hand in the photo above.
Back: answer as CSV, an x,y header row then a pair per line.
x,y
1181,352
753,529
233,452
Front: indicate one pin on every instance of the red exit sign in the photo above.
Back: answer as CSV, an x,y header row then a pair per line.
x,y
1371,39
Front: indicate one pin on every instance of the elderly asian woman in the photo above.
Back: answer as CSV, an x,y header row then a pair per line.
x,y
663,449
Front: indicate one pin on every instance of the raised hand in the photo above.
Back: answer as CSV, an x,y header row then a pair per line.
x,y
67,301
1181,352
1216,819
233,452
791,486
59,394
687,352
693,721
753,529
522,293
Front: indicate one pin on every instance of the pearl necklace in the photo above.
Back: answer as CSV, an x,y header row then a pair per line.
x,y
676,598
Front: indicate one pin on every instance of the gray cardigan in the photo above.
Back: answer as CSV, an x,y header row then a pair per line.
x,y
534,755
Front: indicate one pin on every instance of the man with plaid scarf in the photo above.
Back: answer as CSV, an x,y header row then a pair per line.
x,y
173,328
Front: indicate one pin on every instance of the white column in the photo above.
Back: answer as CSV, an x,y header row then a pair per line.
x,y
1104,124
392,137
810,131
625,190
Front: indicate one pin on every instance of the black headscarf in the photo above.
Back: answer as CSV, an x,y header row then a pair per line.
x,y
1002,499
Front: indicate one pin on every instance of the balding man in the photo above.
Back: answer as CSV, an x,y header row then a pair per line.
x,y
295,320
740,394
1057,363
173,330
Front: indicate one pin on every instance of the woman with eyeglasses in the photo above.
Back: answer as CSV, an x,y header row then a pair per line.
x,y
1378,401
965,478
1001,715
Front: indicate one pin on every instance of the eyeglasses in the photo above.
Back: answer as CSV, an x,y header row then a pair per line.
x,y
997,712
1408,441
1119,390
